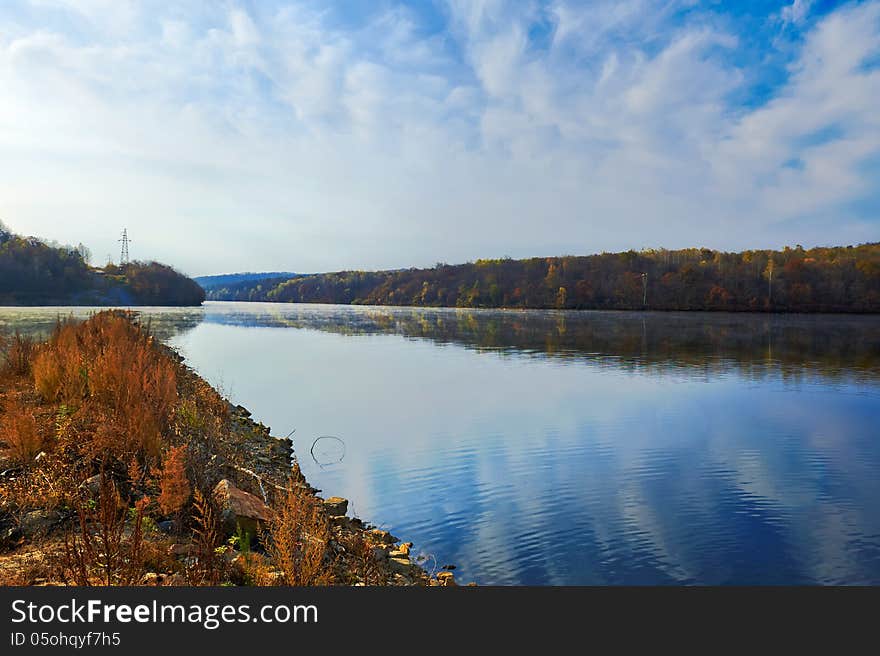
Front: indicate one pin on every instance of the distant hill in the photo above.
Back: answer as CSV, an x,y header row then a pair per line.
x,y
827,279
213,282
33,272
242,286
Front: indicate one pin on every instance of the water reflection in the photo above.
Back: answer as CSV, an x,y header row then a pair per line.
x,y
566,448
164,322
827,345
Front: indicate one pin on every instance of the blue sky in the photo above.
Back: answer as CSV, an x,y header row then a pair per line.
x,y
311,136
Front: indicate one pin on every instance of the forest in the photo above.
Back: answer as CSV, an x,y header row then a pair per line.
x,y
34,272
823,279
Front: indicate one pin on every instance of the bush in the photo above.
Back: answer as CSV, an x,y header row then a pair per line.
x,y
16,353
19,431
298,538
110,367
173,481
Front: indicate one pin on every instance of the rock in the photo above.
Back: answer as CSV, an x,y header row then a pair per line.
x,y
240,509
38,523
400,552
92,485
449,567
181,550
400,565
446,578
152,579
379,554
340,520
382,537
335,506
175,579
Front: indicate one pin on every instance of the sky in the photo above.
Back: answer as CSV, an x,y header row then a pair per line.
x,y
369,134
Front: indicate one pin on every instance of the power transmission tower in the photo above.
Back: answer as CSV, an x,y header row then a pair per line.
x,y
123,258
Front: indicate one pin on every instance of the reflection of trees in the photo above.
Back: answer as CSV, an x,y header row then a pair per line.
x,y
830,346
39,322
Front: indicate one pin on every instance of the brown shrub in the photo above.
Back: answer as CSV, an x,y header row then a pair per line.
x,y
101,550
16,353
210,567
110,368
19,431
173,481
297,540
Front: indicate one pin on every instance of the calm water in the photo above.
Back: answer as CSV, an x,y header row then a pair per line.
x,y
571,448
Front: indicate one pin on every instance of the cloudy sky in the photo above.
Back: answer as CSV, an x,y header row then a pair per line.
x,y
311,136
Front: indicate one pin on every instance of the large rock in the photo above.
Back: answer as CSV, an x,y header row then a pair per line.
x,y
336,506
38,523
240,508
400,565
92,485
382,537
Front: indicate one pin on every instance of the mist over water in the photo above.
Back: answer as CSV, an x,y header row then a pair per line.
x,y
541,447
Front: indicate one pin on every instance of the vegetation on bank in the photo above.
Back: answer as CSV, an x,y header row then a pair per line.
x,y
120,466
834,279
33,272
225,282
245,290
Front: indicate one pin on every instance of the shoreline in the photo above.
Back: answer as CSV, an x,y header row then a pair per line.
x,y
267,525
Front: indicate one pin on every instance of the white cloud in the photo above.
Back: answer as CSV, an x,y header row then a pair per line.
x,y
796,12
274,139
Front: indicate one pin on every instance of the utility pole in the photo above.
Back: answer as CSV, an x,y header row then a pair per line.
x,y
123,258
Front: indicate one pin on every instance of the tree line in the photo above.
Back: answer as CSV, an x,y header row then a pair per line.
x,y
34,272
824,279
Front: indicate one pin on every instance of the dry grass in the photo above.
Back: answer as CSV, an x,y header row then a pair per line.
x,y
297,540
210,567
173,481
109,369
20,432
103,550
16,353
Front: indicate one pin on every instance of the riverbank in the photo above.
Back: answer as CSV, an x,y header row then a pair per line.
x,y
119,465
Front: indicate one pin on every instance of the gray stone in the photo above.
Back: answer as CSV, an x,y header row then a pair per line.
x,y
400,565
383,537
38,523
92,485
181,550
335,506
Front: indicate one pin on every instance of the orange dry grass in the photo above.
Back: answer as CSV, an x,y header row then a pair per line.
x,y
298,539
173,481
110,366
19,431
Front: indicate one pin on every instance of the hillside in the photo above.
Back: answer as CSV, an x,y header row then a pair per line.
x,y
223,280
33,272
826,279
241,286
